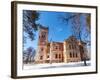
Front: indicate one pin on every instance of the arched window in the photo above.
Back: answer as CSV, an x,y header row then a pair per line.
x,y
43,35
59,55
70,54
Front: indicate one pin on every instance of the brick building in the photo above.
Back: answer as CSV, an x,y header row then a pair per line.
x,y
71,50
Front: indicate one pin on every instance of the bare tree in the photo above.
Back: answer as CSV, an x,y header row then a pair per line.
x,y
28,55
78,27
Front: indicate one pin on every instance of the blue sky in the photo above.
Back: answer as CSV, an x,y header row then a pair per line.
x,y
58,31
56,28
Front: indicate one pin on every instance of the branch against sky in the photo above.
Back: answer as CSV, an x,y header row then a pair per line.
x,y
29,23
80,25
28,55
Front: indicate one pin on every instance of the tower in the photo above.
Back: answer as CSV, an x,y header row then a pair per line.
x,y
43,36
42,45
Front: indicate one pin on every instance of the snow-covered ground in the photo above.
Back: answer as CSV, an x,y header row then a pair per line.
x,y
54,65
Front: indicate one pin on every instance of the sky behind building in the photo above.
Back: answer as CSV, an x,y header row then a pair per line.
x,y
58,31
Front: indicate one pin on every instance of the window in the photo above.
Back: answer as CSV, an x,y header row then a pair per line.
x,y
43,36
56,56
41,57
59,55
39,37
70,54
73,54
56,47
47,56
44,33
41,49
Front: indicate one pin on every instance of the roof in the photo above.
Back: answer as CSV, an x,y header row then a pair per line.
x,y
57,42
43,27
71,37
59,45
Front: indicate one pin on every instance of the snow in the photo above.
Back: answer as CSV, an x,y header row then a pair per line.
x,y
54,65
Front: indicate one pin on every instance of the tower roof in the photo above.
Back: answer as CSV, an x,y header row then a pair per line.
x,y
43,27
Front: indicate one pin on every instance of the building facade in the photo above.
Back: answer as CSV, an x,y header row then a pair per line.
x,y
70,50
